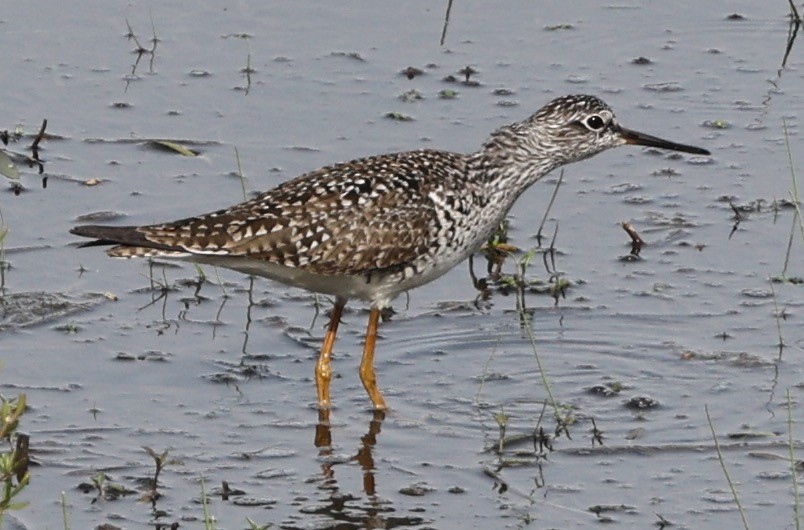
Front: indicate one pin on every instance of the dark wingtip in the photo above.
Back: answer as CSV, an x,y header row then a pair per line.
x,y
83,231
108,235
128,236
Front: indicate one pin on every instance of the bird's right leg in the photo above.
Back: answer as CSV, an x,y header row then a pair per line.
x,y
323,368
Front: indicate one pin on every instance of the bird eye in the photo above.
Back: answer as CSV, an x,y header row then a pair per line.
x,y
595,122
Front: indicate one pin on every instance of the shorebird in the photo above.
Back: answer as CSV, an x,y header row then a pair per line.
x,y
377,226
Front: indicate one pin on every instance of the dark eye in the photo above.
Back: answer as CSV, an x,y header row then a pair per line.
x,y
595,122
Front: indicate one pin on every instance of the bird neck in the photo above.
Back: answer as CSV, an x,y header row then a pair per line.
x,y
509,163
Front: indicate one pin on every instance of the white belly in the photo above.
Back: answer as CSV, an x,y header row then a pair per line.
x,y
378,288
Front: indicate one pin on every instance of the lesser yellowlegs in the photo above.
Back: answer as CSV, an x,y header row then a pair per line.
x,y
377,226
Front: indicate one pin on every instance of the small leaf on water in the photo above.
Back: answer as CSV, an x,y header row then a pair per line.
x,y
151,452
7,167
173,146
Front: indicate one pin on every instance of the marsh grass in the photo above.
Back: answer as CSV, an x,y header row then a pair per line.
x,y
209,520
794,196
778,316
496,251
161,461
14,474
240,175
64,515
564,416
793,463
726,470
248,70
141,50
797,220
3,235
254,526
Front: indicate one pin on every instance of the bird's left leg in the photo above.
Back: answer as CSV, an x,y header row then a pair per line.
x,y
367,374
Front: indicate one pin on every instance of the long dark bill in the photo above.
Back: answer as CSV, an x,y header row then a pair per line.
x,y
638,138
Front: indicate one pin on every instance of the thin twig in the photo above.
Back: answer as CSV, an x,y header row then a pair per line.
x,y
240,173
632,233
789,251
793,463
725,470
778,321
526,321
794,194
790,159
132,36
549,207
35,144
154,39
34,159
485,370
446,23
794,12
792,31
794,198
248,70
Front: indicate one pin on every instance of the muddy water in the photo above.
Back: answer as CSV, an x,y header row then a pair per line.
x,y
221,375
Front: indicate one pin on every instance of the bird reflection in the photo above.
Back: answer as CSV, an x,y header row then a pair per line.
x,y
364,457
345,509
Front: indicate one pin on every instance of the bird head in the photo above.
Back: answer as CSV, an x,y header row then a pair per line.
x,y
571,128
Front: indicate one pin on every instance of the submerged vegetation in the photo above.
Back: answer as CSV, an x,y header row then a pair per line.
x,y
14,474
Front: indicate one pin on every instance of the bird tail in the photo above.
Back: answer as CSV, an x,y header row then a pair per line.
x,y
127,240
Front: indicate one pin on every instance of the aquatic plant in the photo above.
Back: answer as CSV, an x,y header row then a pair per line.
x,y
14,475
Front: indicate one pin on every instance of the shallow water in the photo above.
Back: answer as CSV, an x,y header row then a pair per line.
x,y
222,376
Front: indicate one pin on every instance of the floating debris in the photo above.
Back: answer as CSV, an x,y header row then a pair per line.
x,y
349,55
642,403
398,116
411,72
410,95
717,124
502,92
663,87
556,27
167,145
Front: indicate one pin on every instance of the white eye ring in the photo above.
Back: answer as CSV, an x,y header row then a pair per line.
x,y
594,123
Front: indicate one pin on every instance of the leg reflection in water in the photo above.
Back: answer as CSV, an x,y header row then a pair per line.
x,y
366,510
364,457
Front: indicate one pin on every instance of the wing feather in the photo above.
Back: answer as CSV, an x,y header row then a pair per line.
x,y
352,218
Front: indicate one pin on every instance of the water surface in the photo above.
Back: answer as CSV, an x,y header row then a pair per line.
x,y
221,376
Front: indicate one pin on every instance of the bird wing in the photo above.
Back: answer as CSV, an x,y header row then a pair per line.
x,y
352,218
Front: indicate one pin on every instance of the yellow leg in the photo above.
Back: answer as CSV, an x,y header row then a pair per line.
x,y
323,368
367,374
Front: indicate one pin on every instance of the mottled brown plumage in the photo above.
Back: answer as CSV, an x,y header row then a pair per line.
x,y
345,219
377,226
